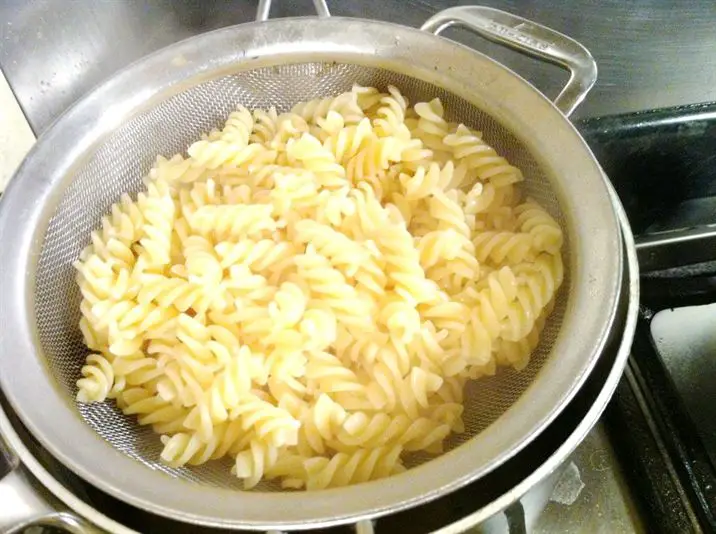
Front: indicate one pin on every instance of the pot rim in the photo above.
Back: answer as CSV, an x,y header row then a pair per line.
x,y
41,180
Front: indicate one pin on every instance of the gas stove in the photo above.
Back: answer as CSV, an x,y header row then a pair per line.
x,y
663,417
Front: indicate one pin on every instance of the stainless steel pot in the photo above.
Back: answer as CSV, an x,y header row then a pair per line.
x,y
40,491
93,153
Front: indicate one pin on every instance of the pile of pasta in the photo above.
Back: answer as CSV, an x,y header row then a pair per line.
x,y
307,292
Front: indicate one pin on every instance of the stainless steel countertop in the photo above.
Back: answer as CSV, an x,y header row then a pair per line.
x,y
650,53
592,496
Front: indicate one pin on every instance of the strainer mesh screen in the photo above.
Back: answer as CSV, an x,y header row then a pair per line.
x,y
124,157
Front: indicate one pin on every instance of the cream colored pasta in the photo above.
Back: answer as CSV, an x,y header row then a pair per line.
x,y
308,292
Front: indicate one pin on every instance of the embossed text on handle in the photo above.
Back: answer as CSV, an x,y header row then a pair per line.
x,y
518,36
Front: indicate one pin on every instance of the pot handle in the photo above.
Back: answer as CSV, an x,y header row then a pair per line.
x,y
528,38
24,503
264,8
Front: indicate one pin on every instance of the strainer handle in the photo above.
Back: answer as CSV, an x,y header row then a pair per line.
x,y
264,8
23,503
529,38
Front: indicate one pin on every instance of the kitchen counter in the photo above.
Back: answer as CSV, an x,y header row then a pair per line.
x,y
54,51
16,136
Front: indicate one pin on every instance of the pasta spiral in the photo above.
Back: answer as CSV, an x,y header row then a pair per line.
x,y
238,126
310,153
431,128
346,104
184,448
252,463
264,126
98,379
150,409
390,116
329,285
308,292
480,157
543,229
361,429
270,423
426,181
213,154
350,468
498,247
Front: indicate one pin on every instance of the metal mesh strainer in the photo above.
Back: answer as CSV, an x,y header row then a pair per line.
x,y
161,106
126,156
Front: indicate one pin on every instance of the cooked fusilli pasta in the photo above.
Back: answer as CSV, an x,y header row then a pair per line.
x,y
308,292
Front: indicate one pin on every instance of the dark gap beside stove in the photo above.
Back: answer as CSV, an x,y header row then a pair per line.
x,y
662,163
663,417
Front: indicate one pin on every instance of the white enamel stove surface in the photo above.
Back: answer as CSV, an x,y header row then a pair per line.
x,y
16,136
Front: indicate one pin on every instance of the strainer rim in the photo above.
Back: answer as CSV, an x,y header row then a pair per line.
x,y
16,202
